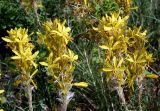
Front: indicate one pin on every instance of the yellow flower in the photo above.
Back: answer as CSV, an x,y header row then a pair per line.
x,y
153,76
137,57
19,41
114,67
1,91
17,35
80,84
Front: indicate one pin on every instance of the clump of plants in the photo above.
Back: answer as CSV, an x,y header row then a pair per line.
x,y
60,60
123,67
126,57
19,42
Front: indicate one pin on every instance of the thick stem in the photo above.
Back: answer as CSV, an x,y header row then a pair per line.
x,y
139,98
121,95
140,85
29,92
65,100
64,105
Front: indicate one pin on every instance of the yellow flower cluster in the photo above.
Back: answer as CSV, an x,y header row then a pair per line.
x,y
20,44
126,55
60,60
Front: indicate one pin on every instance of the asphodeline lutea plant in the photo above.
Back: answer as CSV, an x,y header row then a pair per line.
x,y
60,60
19,42
126,56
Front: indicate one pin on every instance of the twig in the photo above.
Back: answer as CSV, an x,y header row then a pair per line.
x,y
153,69
89,101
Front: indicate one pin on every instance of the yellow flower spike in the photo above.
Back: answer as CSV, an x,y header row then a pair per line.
x,y
126,55
19,42
81,84
114,21
56,36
